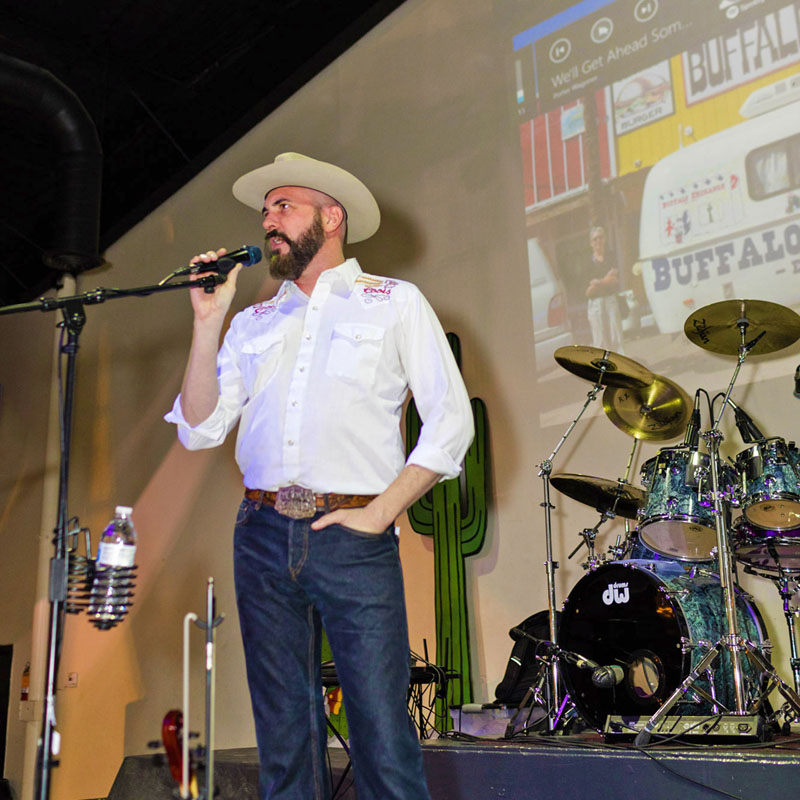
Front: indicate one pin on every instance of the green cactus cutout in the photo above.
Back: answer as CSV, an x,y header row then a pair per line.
x,y
454,513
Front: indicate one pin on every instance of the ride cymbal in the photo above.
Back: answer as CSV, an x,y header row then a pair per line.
x,y
600,493
656,412
716,327
586,362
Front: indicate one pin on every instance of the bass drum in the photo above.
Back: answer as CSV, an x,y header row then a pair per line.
x,y
634,614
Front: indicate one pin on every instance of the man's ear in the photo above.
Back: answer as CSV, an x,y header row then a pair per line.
x,y
333,217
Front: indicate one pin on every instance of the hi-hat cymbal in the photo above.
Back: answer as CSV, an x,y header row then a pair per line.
x,y
586,362
656,412
716,327
600,493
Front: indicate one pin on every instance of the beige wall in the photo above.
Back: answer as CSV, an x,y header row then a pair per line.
x,y
431,134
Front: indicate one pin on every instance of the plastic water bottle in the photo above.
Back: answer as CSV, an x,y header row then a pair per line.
x,y
112,586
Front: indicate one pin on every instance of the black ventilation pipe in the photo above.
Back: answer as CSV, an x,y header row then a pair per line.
x,y
79,162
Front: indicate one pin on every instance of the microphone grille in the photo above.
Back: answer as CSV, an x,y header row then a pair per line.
x,y
252,256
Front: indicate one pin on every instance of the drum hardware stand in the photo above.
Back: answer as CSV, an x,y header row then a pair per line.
x,y
554,707
732,642
781,582
622,547
590,534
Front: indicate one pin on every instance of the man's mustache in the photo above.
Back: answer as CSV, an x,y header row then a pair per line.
x,y
282,236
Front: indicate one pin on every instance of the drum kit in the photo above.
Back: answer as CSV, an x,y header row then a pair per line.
x,y
658,629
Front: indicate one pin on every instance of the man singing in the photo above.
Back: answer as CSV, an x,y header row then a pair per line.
x,y
317,377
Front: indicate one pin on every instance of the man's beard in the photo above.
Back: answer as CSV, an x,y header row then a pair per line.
x,y
291,265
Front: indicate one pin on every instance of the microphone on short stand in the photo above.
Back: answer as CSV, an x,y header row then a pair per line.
x,y
607,677
550,647
692,438
246,256
747,428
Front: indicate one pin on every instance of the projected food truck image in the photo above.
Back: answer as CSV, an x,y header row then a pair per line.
x,y
720,218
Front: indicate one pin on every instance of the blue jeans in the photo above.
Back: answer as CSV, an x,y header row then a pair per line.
x,y
291,580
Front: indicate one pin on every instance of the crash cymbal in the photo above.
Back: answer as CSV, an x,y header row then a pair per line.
x,y
656,412
601,493
586,362
716,327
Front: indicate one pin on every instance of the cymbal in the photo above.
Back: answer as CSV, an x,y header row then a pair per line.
x,y
716,327
601,493
656,412
585,362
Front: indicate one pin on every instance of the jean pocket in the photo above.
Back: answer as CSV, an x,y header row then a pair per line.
x,y
363,534
245,512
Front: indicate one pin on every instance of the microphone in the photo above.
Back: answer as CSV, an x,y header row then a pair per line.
x,y
692,438
581,662
747,428
246,256
797,381
607,677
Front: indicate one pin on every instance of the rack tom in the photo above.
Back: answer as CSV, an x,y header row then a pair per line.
x,y
677,519
769,480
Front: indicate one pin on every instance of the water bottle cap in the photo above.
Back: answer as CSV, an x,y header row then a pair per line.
x,y
124,510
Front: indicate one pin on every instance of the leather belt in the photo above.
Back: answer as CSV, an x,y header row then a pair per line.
x,y
298,502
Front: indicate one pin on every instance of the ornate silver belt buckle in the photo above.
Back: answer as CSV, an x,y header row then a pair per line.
x,y
296,502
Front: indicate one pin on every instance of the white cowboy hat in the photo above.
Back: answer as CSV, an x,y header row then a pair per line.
x,y
294,169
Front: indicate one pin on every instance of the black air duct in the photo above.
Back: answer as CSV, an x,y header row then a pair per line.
x,y
79,164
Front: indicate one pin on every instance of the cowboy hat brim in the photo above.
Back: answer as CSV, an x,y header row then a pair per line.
x,y
294,169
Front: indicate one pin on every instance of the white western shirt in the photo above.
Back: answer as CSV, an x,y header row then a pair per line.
x,y
319,383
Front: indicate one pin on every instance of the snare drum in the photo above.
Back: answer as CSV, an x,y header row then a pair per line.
x,y
635,614
768,550
677,520
770,484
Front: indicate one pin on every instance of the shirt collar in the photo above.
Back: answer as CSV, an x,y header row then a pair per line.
x,y
341,278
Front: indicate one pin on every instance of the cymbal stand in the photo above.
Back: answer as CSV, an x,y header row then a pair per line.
x,y
731,641
554,707
620,548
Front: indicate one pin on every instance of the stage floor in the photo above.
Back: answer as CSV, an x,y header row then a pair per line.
x,y
534,768
583,766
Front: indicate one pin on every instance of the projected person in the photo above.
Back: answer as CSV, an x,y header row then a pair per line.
x,y
602,307
316,378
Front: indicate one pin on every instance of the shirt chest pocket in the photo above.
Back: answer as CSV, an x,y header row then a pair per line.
x,y
355,352
259,360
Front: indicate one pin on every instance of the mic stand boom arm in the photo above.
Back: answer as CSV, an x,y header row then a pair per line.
x,y
72,309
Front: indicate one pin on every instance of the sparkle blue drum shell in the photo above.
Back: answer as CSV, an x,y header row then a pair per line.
x,y
769,474
766,550
677,519
635,614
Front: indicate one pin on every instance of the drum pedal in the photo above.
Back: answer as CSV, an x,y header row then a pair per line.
x,y
718,729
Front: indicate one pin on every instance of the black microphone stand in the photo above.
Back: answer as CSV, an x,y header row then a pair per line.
x,y
74,315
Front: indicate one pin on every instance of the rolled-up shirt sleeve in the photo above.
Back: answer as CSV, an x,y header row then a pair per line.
x,y
439,392
211,432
